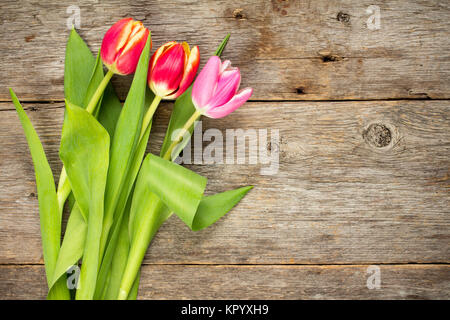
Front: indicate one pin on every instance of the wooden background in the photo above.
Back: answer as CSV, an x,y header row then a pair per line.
x,y
364,146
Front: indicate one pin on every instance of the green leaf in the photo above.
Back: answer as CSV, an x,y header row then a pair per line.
x,y
48,204
82,73
109,110
73,243
79,83
212,208
135,288
222,46
179,188
120,255
125,141
78,69
124,198
85,154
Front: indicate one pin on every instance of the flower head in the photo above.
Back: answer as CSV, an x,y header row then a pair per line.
x,y
122,46
215,91
172,68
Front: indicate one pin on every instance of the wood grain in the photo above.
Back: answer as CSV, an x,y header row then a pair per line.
x,y
295,50
258,282
337,198
359,182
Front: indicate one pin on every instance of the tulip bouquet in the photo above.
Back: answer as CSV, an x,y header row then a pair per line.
x,y
118,196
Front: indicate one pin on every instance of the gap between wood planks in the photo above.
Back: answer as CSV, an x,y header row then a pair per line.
x,y
259,101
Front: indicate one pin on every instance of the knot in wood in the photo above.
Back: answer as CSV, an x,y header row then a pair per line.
x,y
239,14
378,135
343,17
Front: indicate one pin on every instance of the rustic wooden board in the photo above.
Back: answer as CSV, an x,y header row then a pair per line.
x,y
296,50
258,282
337,198
359,182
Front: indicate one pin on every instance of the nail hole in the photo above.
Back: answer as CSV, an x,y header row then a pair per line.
x,y
300,90
330,58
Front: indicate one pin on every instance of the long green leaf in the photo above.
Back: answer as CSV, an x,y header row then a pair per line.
x,y
73,243
135,288
85,154
81,75
125,140
124,198
78,69
120,256
108,113
48,204
109,110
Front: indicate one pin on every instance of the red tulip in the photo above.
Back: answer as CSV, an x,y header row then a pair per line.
x,y
122,46
172,68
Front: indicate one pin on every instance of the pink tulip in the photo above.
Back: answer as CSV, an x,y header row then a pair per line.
x,y
122,46
172,68
215,91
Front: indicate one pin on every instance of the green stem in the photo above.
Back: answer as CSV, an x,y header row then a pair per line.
x,y
63,184
98,93
108,219
187,125
149,115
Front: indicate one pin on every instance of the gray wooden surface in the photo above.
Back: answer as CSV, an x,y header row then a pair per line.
x,y
364,153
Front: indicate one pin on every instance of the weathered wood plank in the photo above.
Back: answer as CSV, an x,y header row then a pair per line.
x,y
258,282
337,198
296,50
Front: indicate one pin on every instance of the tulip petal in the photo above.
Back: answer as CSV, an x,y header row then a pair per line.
x,y
225,65
206,82
237,101
227,87
168,71
114,39
189,72
127,62
158,52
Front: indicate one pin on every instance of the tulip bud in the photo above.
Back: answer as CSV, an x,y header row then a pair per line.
x,y
215,91
122,46
172,68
